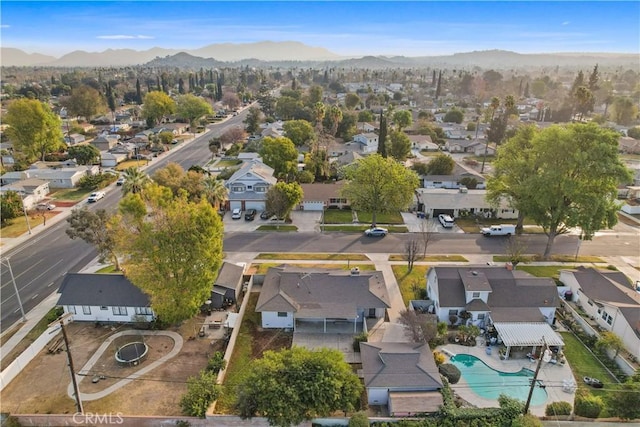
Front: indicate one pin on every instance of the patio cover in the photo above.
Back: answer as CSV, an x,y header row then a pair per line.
x,y
527,334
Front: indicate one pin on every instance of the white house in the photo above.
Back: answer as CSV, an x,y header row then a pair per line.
x,y
111,160
402,376
318,196
74,138
57,178
436,201
452,181
608,298
368,142
32,190
103,298
319,300
519,306
248,186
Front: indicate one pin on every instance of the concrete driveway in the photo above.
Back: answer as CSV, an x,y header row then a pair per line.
x,y
307,221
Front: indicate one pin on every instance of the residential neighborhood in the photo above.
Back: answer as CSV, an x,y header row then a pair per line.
x,y
353,281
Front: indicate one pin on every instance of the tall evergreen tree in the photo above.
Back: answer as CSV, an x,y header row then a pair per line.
x,y
439,86
593,79
526,90
181,86
111,101
138,92
382,137
433,78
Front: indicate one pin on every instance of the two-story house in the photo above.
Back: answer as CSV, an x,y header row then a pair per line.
x,y
368,142
248,186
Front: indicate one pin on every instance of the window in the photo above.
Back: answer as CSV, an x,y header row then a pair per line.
x,y
590,302
144,310
103,307
476,295
249,187
453,312
71,309
480,316
86,309
237,188
119,311
282,314
260,189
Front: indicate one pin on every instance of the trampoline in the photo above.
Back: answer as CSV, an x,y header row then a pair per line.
x,y
132,353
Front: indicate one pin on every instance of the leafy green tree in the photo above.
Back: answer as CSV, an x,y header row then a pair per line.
x,y
280,154
399,145
95,229
453,116
10,206
175,178
568,178
314,95
85,101
377,184
623,402
33,128
583,100
610,341
135,181
191,108
420,168
202,390
351,101
292,386
282,198
84,154
624,111
365,116
172,254
634,132
359,419
300,132
287,106
215,192
441,164
402,119
157,105
253,120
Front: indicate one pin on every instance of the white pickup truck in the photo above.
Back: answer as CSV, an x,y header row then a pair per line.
x,y
499,230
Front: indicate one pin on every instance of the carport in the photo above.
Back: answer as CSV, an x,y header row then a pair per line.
x,y
525,334
328,325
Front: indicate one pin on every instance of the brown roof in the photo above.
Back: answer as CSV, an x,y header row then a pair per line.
x,y
321,293
399,366
413,403
321,192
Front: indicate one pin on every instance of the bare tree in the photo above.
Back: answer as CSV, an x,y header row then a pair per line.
x,y
515,249
419,327
411,250
427,233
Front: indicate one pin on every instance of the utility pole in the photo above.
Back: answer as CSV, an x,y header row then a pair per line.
x,y
535,377
76,391
24,209
15,287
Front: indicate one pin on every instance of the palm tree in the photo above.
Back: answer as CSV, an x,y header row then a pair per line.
x,y
215,191
495,103
134,181
336,117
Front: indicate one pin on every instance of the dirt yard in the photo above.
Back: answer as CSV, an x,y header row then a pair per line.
x,y
41,388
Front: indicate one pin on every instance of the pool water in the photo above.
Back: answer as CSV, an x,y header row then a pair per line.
x,y
489,383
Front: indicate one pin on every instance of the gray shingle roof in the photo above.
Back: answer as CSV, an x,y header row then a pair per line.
x,y
229,275
320,293
100,290
509,288
406,366
598,285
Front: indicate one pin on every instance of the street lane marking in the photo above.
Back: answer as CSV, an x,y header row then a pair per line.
x,y
34,297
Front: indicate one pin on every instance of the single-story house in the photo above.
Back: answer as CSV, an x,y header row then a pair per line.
x,y
474,147
368,142
319,300
105,142
452,181
227,286
423,142
609,298
74,138
248,186
318,196
111,160
347,158
519,306
457,203
176,128
57,178
103,298
365,127
32,190
403,376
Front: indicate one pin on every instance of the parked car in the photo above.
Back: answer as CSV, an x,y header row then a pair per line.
x,y
45,206
265,215
376,232
499,230
94,197
236,213
250,215
445,220
120,181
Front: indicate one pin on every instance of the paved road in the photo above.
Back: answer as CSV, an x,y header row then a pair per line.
x,y
40,263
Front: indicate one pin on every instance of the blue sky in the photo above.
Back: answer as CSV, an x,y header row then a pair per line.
x,y
416,28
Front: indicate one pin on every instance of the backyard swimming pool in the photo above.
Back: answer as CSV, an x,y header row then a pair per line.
x,y
488,383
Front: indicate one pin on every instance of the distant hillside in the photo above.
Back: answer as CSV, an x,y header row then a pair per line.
x,y
19,58
184,60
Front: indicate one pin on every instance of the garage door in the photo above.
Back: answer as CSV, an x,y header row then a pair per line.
x,y
437,212
236,204
313,206
259,206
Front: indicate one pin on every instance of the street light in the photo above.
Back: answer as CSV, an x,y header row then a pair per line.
x,y
24,209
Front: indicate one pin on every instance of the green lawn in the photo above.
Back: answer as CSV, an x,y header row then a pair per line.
x,y
283,227
337,216
316,256
381,218
584,364
408,281
431,258
552,271
262,268
555,258
72,194
227,163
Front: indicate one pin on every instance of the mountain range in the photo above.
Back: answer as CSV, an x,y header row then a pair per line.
x,y
287,54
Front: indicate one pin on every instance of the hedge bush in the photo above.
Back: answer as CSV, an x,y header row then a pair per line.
x,y
588,406
558,408
450,372
359,419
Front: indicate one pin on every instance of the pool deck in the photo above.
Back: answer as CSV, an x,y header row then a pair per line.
x,y
551,375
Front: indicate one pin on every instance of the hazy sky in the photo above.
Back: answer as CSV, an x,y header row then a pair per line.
x,y
417,28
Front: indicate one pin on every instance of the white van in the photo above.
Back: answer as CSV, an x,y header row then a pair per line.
x,y
445,220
